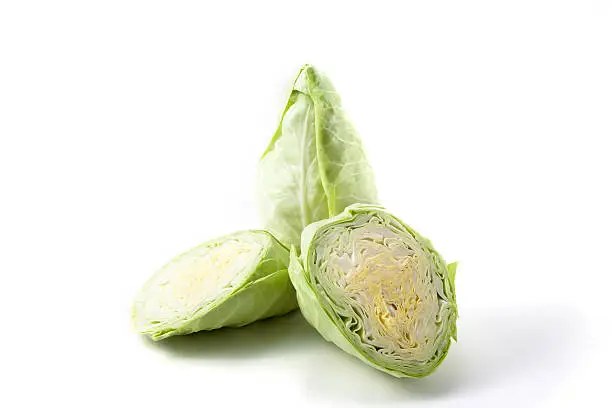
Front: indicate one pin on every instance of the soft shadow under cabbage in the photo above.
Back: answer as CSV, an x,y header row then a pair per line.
x,y
276,336
499,348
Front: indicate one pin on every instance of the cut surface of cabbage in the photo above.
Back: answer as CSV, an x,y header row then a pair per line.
x,y
174,299
369,283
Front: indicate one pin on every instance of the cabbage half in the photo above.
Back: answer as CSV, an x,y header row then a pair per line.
x,y
315,165
377,289
230,281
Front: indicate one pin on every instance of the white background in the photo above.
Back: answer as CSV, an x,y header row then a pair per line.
x,y
130,132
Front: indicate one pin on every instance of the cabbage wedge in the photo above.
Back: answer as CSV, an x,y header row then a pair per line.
x,y
315,164
227,282
377,289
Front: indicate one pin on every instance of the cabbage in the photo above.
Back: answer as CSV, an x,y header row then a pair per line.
x,y
377,289
227,282
315,164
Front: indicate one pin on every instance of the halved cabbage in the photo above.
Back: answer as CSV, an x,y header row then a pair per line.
x,y
377,289
230,281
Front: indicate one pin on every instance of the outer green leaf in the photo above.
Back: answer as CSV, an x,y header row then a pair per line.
x,y
315,164
377,289
227,282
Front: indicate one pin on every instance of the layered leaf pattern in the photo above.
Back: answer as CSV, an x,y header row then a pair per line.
x,y
377,289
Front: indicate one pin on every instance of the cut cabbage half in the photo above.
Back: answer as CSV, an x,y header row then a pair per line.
x,y
230,281
377,289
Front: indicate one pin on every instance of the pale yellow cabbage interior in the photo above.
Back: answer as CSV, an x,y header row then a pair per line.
x,y
380,281
195,279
